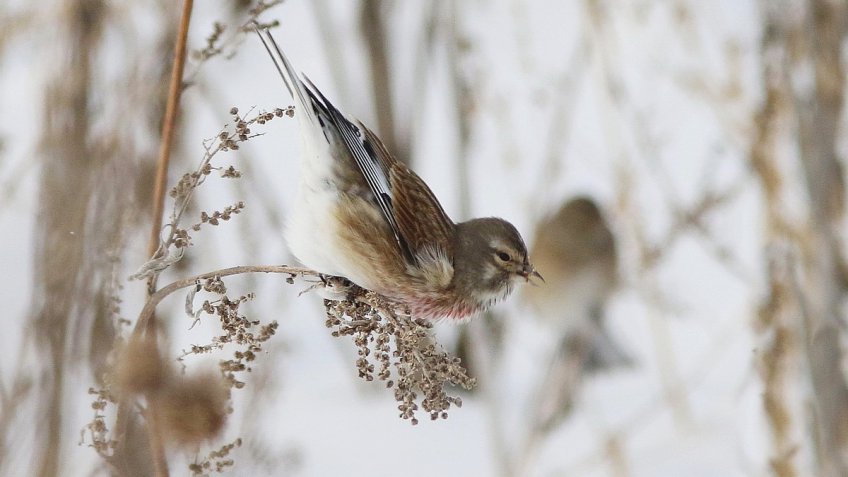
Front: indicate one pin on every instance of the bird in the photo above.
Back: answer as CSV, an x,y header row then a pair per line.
x,y
363,215
575,249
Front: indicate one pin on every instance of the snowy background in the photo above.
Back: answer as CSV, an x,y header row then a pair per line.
x,y
648,107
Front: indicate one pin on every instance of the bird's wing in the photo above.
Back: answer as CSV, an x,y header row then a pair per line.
x,y
418,215
413,213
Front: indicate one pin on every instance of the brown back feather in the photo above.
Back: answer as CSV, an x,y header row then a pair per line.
x,y
421,220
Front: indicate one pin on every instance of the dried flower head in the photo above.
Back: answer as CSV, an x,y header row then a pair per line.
x,y
400,351
193,409
140,368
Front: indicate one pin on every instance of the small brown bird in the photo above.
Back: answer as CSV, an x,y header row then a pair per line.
x,y
365,216
575,250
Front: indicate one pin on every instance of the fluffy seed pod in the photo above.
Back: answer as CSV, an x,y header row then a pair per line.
x,y
193,409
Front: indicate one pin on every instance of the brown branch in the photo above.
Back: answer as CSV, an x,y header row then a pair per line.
x,y
122,420
168,123
157,446
157,450
153,301
819,111
775,313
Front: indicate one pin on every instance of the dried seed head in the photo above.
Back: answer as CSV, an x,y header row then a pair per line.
x,y
193,409
399,350
140,368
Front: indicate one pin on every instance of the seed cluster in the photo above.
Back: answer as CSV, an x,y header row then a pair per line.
x,y
98,432
216,460
399,351
236,329
188,408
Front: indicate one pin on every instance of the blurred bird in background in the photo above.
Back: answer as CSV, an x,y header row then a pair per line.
x,y
575,251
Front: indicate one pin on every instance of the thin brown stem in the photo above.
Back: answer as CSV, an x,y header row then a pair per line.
x,y
157,450
153,301
146,316
157,446
168,123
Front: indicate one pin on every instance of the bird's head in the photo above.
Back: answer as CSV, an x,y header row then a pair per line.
x,y
490,258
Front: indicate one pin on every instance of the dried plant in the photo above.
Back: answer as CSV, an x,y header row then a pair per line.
x,y
399,350
151,404
189,411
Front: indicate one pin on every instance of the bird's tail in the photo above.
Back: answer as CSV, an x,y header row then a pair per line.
x,y
605,353
598,350
296,88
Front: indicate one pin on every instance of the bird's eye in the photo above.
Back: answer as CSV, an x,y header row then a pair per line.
x,y
503,256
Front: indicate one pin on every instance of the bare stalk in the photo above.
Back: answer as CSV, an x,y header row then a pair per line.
x,y
774,311
819,108
157,449
373,25
168,126
147,313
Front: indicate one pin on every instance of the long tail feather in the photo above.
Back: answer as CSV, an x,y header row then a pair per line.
x,y
287,73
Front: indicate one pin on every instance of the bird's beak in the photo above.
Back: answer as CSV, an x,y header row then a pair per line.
x,y
529,273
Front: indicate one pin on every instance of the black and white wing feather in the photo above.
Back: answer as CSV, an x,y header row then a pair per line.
x,y
412,212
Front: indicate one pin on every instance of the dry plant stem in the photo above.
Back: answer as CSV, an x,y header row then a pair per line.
x,y
146,316
160,463
61,298
373,24
157,447
819,109
168,125
775,312
147,313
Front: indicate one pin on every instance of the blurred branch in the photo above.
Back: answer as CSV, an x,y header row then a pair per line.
x,y
554,399
567,90
373,25
463,98
481,353
813,44
819,107
10,400
16,23
332,47
66,185
618,106
655,406
693,218
15,177
426,45
774,313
